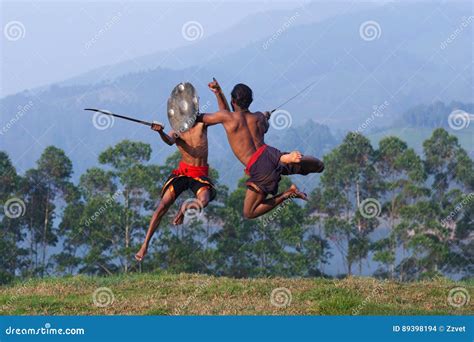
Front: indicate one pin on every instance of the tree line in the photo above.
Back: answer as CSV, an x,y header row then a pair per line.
x,y
410,215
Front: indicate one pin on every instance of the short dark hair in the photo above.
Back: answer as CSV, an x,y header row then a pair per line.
x,y
242,95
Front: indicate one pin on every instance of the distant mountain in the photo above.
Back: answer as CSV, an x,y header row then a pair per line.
x,y
200,52
406,65
417,123
433,115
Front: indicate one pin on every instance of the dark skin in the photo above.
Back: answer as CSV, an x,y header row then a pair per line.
x,y
193,147
245,131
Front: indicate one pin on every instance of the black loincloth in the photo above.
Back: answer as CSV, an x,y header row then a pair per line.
x,y
265,169
180,183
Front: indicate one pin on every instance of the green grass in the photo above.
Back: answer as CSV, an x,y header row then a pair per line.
x,y
192,294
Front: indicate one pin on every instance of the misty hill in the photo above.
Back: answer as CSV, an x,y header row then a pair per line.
x,y
416,124
405,66
432,115
196,53
56,117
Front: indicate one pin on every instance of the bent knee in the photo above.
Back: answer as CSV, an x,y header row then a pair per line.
x,y
203,202
203,195
248,214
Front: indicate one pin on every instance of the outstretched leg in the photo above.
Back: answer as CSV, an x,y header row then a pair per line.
x,y
310,164
256,203
296,163
200,202
166,201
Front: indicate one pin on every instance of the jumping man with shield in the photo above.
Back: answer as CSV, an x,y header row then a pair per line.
x,y
193,171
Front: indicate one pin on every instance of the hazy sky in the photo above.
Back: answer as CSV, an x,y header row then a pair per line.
x,y
64,39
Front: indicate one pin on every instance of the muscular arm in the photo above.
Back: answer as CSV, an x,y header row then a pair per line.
x,y
215,118
222,101
169,138
215,87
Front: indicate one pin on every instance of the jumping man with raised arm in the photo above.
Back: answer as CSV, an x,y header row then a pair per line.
x,y
264,164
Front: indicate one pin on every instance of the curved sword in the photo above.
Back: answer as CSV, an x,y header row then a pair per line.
x,y
295,96
106,112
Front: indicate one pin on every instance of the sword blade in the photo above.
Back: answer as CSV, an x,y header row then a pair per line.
x,y
297,94
106,112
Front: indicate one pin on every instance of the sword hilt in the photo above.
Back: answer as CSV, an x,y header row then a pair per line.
x,y
157,123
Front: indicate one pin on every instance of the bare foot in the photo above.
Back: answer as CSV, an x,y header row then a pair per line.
x,y
294,192
179,218
293,157
141,253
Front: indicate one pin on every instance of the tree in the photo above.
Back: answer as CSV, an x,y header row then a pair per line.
x,y
43,188
233,255
437,227
92,223
349,189
286,243
11,237
282,242
402,172
447,162
135,180
55,168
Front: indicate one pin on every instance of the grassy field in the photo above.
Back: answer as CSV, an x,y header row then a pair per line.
x,y
190,294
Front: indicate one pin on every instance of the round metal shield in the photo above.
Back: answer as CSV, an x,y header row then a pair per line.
x,y
183,107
